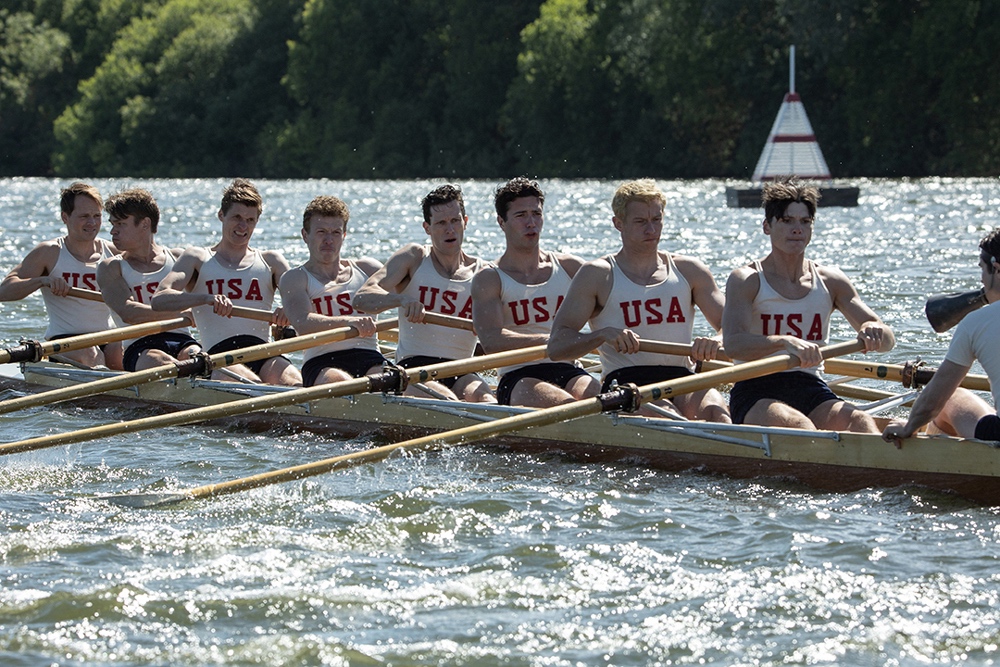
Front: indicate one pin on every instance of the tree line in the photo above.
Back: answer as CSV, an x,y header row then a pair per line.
x,y
354,89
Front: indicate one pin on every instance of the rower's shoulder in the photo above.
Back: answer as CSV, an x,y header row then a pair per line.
x,y
570,263
368,265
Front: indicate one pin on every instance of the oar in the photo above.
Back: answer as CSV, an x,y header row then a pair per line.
x,y
390,380
33,351
205,364
619,399
908,374
238,311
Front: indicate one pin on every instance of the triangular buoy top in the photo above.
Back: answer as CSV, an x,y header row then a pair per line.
x,y
791,146
792,150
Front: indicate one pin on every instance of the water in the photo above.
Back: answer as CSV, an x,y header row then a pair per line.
x,y
477,556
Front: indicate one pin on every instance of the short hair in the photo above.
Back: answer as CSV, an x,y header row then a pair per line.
x,y
444,194
778,194
136,202
241,191
325,205
643,190
989,248
513,189
67,200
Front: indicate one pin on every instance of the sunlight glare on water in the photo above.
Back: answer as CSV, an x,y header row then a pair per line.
x,y
477,555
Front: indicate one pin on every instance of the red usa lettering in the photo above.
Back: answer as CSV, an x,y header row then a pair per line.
x,y
233,288
779,324
324,305
148,288
536,310
650,312
84,280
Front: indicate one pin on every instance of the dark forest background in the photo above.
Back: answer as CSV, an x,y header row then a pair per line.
x,y
475,88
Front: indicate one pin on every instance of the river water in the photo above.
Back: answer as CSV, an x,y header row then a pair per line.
x,y
476,556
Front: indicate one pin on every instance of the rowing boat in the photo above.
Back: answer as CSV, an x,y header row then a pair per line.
x,y
825,460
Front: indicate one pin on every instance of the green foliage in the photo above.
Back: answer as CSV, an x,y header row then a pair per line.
x,y
473,88
32,56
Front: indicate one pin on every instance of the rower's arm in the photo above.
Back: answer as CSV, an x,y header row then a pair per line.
x,y
173,294
301,312
383,290
738,328
31,274
487,317
119,297
582,302
931,401
877,336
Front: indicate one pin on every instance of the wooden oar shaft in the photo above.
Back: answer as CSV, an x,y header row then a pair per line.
x,y
894,372
471,434
678,349
238,311
290,397
169,371
48,348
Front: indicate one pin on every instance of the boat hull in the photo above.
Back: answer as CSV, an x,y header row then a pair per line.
x,y
824,460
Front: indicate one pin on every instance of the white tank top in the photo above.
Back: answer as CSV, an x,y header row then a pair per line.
x,y
142,285
530,309
250,287
807,318
439,295
335,299
664,311
70,315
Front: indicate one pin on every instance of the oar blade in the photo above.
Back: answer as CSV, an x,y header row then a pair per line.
x,y
145,500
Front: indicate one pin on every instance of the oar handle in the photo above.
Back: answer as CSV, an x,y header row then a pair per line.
x,y
677,349
238,311
447,321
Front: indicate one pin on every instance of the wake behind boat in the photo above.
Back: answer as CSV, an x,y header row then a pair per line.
x,y
825,460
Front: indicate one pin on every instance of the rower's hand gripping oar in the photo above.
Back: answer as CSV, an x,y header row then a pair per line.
x,y
624,398
946,310
393,379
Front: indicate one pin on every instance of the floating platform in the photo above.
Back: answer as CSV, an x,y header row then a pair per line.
x,y
750,197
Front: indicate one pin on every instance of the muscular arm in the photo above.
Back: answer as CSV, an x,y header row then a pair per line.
x,y
383,290
172,294
487,316
586,296
709,299
118,296
737,325
876,335
930,402
302,315
31,274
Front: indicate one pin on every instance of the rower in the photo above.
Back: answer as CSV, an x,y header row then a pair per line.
x,y
211,281
432,278
782,304
942,402
128,281
642,292
68,262
515,301
318,296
